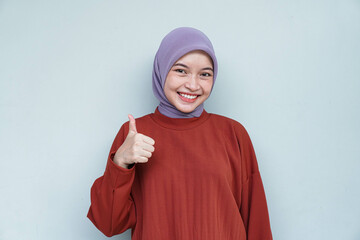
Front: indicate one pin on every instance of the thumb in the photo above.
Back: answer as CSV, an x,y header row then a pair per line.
x,y
132,125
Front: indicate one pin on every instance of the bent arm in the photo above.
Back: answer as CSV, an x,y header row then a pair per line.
x,y
112,208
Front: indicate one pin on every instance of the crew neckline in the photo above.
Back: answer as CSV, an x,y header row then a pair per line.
x,y
178,123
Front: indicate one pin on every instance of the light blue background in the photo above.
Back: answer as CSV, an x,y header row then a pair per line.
x,y
71,71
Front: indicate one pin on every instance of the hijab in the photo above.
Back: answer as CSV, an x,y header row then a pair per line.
x,y
176,44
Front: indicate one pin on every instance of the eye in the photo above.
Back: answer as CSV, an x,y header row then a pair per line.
x,y
180,70
206,74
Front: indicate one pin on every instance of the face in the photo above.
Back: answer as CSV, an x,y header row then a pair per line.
x,y
189,81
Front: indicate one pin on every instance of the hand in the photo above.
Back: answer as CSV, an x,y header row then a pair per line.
x,y
137,148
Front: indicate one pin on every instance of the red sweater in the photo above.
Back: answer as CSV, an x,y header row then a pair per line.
x,y
202,182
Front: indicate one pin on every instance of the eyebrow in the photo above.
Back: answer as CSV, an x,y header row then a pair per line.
x,y
183,65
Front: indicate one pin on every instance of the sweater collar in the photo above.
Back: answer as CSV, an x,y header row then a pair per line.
x,y
178,123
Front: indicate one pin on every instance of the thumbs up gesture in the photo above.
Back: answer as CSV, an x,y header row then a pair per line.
x,y
137,148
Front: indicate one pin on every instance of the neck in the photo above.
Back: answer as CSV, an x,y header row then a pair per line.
x,y
173,112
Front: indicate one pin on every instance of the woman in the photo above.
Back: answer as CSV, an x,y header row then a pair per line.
x,y
201,178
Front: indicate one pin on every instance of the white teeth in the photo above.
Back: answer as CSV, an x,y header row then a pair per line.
x,y
188,96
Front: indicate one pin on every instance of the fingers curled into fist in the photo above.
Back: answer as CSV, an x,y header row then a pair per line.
x,y
137,147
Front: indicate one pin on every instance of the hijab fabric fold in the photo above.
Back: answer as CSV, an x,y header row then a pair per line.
x,y
176,44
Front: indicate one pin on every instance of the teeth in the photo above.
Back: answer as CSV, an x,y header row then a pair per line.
x,y
188,96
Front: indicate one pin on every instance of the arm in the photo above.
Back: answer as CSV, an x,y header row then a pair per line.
x,y
253,206
112,208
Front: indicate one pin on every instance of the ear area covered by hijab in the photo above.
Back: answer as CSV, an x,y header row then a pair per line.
x,y
174,45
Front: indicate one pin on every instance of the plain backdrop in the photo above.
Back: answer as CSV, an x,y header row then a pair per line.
x,y
71,71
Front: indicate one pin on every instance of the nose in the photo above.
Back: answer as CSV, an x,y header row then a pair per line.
x,y
192,83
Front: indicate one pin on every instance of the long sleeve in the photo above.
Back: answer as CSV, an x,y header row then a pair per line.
x,y
253,206
112,208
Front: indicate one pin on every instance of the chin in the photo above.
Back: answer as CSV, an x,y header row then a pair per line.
x,y
186,110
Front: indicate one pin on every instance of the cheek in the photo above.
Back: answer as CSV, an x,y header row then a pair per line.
x,y
207,86
167,90
170,86
173,82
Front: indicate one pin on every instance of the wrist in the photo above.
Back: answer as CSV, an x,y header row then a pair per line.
x,y
119,161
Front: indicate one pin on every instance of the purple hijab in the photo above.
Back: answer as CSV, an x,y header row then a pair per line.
x,y
175,45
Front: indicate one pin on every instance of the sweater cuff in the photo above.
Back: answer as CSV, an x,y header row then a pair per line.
x,y
119,176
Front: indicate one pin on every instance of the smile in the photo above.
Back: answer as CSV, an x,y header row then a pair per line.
x,y
187,97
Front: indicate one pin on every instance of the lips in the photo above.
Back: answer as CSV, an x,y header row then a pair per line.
x,y
189,93
185,99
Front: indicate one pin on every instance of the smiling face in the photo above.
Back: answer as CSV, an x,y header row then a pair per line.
x,y
189,81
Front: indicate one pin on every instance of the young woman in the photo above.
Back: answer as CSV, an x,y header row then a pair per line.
x,y
182,173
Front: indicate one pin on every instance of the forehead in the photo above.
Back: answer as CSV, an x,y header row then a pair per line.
x,y
197,55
